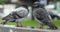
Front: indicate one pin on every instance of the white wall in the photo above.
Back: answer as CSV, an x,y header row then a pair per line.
x,y
30,11
58,6
8,8
14,1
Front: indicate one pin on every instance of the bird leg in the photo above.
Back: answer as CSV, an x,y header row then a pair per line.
x,y
41,27
19,25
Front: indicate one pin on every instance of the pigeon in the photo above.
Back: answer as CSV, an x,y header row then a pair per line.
x,y
17,15
54,15
42,16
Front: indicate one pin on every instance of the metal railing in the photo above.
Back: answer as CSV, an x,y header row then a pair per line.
x,y
23,29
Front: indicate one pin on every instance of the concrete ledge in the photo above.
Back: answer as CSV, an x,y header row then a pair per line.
x,y
11,28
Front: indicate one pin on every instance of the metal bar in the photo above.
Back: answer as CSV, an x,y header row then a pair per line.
x,y
23,29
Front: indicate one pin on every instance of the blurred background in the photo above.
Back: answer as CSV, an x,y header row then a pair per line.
x,y
7,6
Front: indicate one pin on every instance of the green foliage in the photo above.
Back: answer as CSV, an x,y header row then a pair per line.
x,y
29,22
3,1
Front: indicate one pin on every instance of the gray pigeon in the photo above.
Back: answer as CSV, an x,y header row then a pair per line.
x,y
17,15
54,15
42,16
